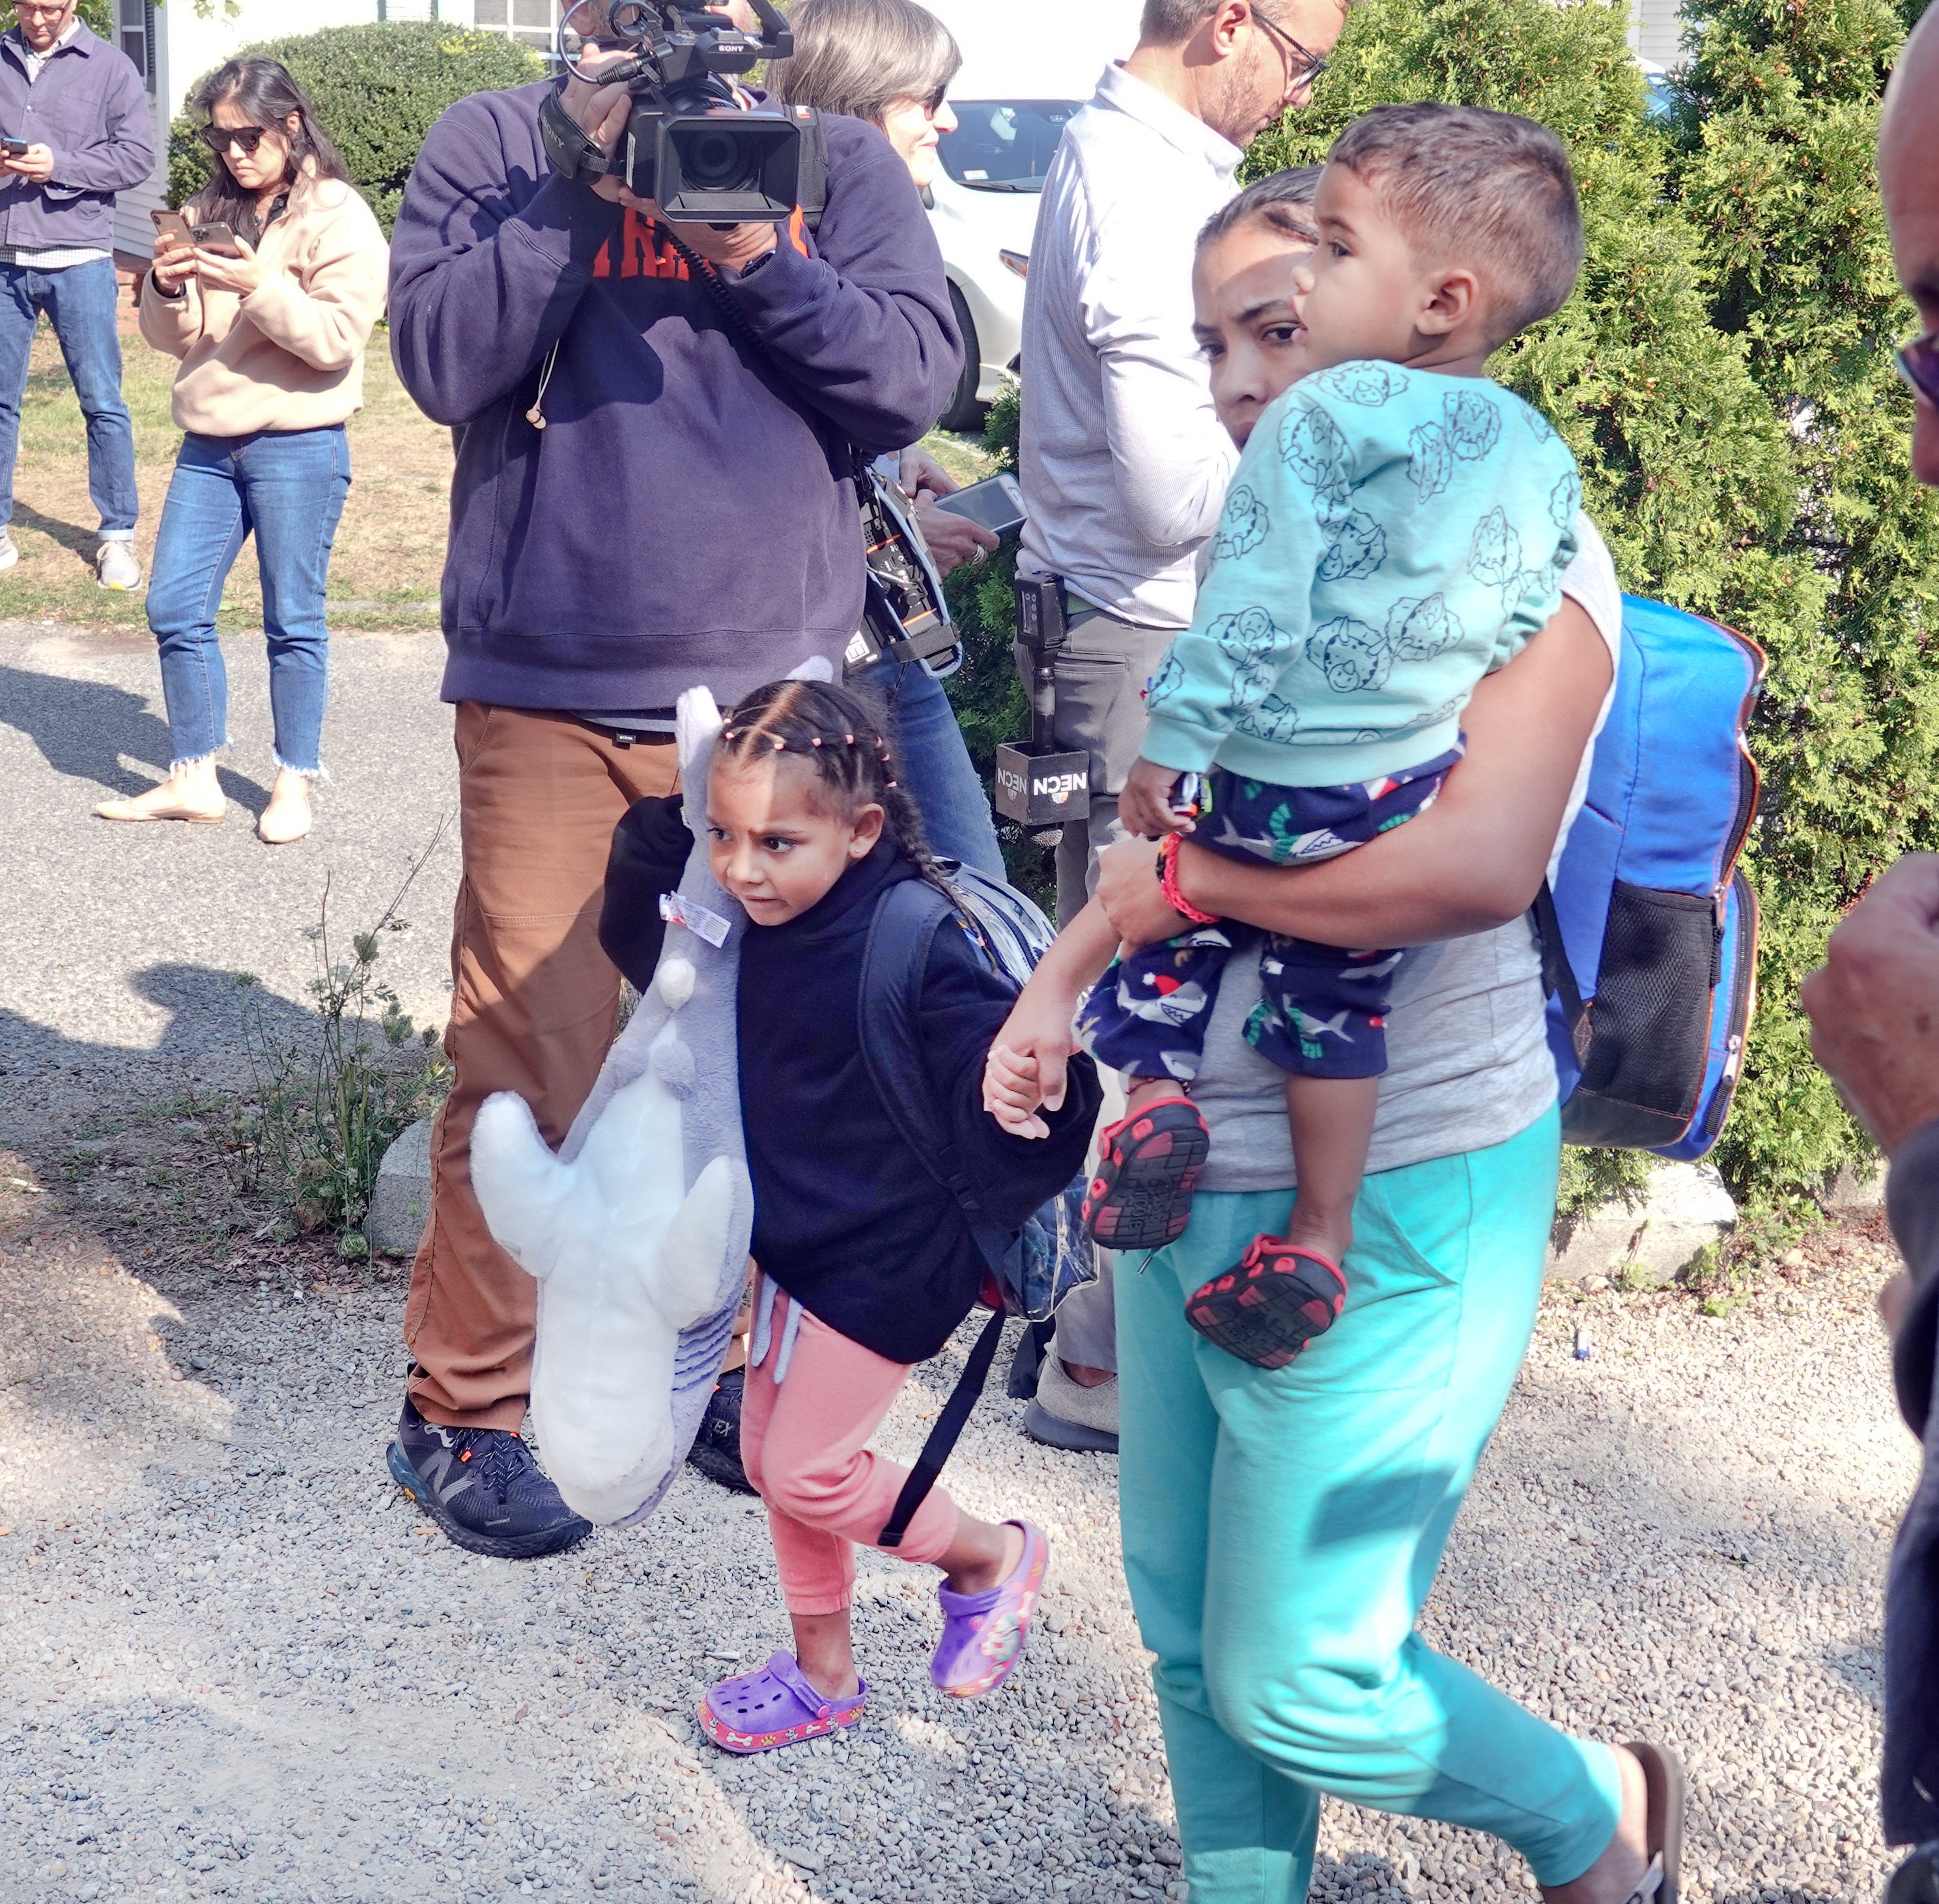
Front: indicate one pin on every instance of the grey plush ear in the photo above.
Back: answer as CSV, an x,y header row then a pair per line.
x,y
696,727
817,667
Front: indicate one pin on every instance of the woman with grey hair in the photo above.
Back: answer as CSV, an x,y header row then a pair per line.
x,y
890,62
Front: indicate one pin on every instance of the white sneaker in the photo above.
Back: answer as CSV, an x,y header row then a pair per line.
x,y
9,555
115,564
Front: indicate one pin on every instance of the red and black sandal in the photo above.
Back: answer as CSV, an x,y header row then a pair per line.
x,y
1271,1304
1149,1165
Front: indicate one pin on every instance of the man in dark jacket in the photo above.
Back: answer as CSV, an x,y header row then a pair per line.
x,y
1874,1012
76,107
653,491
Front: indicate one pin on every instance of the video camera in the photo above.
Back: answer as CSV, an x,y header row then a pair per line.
x,y
690,146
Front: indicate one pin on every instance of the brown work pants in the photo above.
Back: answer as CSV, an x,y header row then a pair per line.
x,y
534,1006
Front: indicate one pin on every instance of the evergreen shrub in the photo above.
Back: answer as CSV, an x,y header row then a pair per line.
x,y
377,90
1724,376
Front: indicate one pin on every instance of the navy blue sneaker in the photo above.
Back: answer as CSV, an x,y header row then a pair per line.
x,y
716,1451
483,1487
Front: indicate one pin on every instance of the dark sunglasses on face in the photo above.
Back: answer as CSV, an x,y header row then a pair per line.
x,y
219,138
1918,364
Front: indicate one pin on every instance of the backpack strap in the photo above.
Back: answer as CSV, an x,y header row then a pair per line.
x,y
1558,976
894,964
948,1430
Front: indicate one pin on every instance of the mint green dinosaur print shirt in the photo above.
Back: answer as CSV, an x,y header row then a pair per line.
x,y
1391,536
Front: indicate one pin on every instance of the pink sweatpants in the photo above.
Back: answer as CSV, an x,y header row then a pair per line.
x,y
805,1446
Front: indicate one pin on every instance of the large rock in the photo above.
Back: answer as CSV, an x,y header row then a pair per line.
x,y
1688,1210
1857,1190
402,1204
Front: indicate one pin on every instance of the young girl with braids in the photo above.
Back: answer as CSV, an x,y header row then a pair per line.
x,y
808,829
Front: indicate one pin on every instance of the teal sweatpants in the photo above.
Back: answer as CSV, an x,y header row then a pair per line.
x,y
1282,1529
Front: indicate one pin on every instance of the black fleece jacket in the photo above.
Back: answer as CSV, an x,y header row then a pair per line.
x,y
846,1218
1910,1781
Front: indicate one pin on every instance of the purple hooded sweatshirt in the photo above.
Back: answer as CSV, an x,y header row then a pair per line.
x,y
686,514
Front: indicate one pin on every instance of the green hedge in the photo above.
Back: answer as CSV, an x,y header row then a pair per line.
x,y
1724,375
377,90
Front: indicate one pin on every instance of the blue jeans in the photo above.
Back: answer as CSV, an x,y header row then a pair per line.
x,y
80,304
933,764
289,489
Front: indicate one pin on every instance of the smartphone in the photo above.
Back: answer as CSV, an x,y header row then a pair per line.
x,y
218,239
172,224
996,504
14,148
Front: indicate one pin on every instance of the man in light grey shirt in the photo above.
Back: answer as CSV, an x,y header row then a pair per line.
x,y
1124,462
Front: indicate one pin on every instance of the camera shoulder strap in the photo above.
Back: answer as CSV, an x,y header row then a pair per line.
x,y
811,191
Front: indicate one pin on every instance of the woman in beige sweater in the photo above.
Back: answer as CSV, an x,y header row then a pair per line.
x,y
271,333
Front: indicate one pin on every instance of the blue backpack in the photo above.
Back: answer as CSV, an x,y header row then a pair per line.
x,y
1030,1272
1649,935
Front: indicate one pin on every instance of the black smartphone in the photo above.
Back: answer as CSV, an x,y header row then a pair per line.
x,y
996,504
14,148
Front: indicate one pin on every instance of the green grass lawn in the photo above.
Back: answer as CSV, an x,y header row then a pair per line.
x,y
390,549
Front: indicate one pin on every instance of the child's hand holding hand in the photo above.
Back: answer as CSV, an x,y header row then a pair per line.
x,y
1013,1092
1145,806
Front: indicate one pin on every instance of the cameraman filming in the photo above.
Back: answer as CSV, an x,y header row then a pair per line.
x,y
652,491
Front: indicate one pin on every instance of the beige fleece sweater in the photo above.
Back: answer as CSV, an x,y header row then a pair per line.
x,y
290,356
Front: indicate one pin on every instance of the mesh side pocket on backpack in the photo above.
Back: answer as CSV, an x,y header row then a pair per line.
x,y
1650,1019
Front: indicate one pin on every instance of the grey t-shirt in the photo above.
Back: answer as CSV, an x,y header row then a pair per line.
x,y
1467,1058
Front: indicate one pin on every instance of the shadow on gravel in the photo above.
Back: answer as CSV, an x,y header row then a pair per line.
x,y
83,728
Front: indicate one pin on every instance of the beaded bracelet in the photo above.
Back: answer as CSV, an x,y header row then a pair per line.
x,y
1167,875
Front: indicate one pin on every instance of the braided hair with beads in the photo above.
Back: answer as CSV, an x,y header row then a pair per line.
x,y
842,741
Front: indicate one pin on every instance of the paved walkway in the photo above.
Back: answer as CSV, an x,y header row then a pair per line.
x,y
120,946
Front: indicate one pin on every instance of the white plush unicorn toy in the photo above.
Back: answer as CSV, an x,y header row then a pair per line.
x,y
637,1230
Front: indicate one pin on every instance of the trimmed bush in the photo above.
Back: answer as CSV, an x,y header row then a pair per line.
x,y
377,90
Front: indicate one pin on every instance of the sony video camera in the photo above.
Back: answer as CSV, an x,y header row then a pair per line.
x,y
690,145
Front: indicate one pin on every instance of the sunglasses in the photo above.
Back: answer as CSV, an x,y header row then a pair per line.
x,y
220,138
1918,364
1309,65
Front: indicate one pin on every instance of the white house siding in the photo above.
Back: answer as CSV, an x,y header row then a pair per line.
x,y
1656,31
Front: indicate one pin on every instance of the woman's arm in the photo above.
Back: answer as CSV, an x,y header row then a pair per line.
x,y
1474,860
326,320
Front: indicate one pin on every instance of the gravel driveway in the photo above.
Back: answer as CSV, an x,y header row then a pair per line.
x,y
233,1663
120,944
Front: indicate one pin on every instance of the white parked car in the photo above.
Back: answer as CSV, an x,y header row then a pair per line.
x,y
984,209
1025,72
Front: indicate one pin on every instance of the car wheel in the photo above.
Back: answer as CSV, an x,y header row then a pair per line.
x,y
964,412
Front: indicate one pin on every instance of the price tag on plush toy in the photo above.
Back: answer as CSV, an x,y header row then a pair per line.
x,y
695,917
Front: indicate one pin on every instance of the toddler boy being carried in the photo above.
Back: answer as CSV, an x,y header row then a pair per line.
x,y
1397,529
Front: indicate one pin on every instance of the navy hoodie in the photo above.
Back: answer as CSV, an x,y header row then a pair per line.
x,y
686,515
847,1219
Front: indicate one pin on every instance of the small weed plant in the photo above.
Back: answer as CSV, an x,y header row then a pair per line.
x,y
325,1104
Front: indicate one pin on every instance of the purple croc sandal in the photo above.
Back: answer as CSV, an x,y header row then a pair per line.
x,y
984,1634
774,1707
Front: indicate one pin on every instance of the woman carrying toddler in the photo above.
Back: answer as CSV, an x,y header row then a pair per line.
x,y
870,1261
1294,1457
